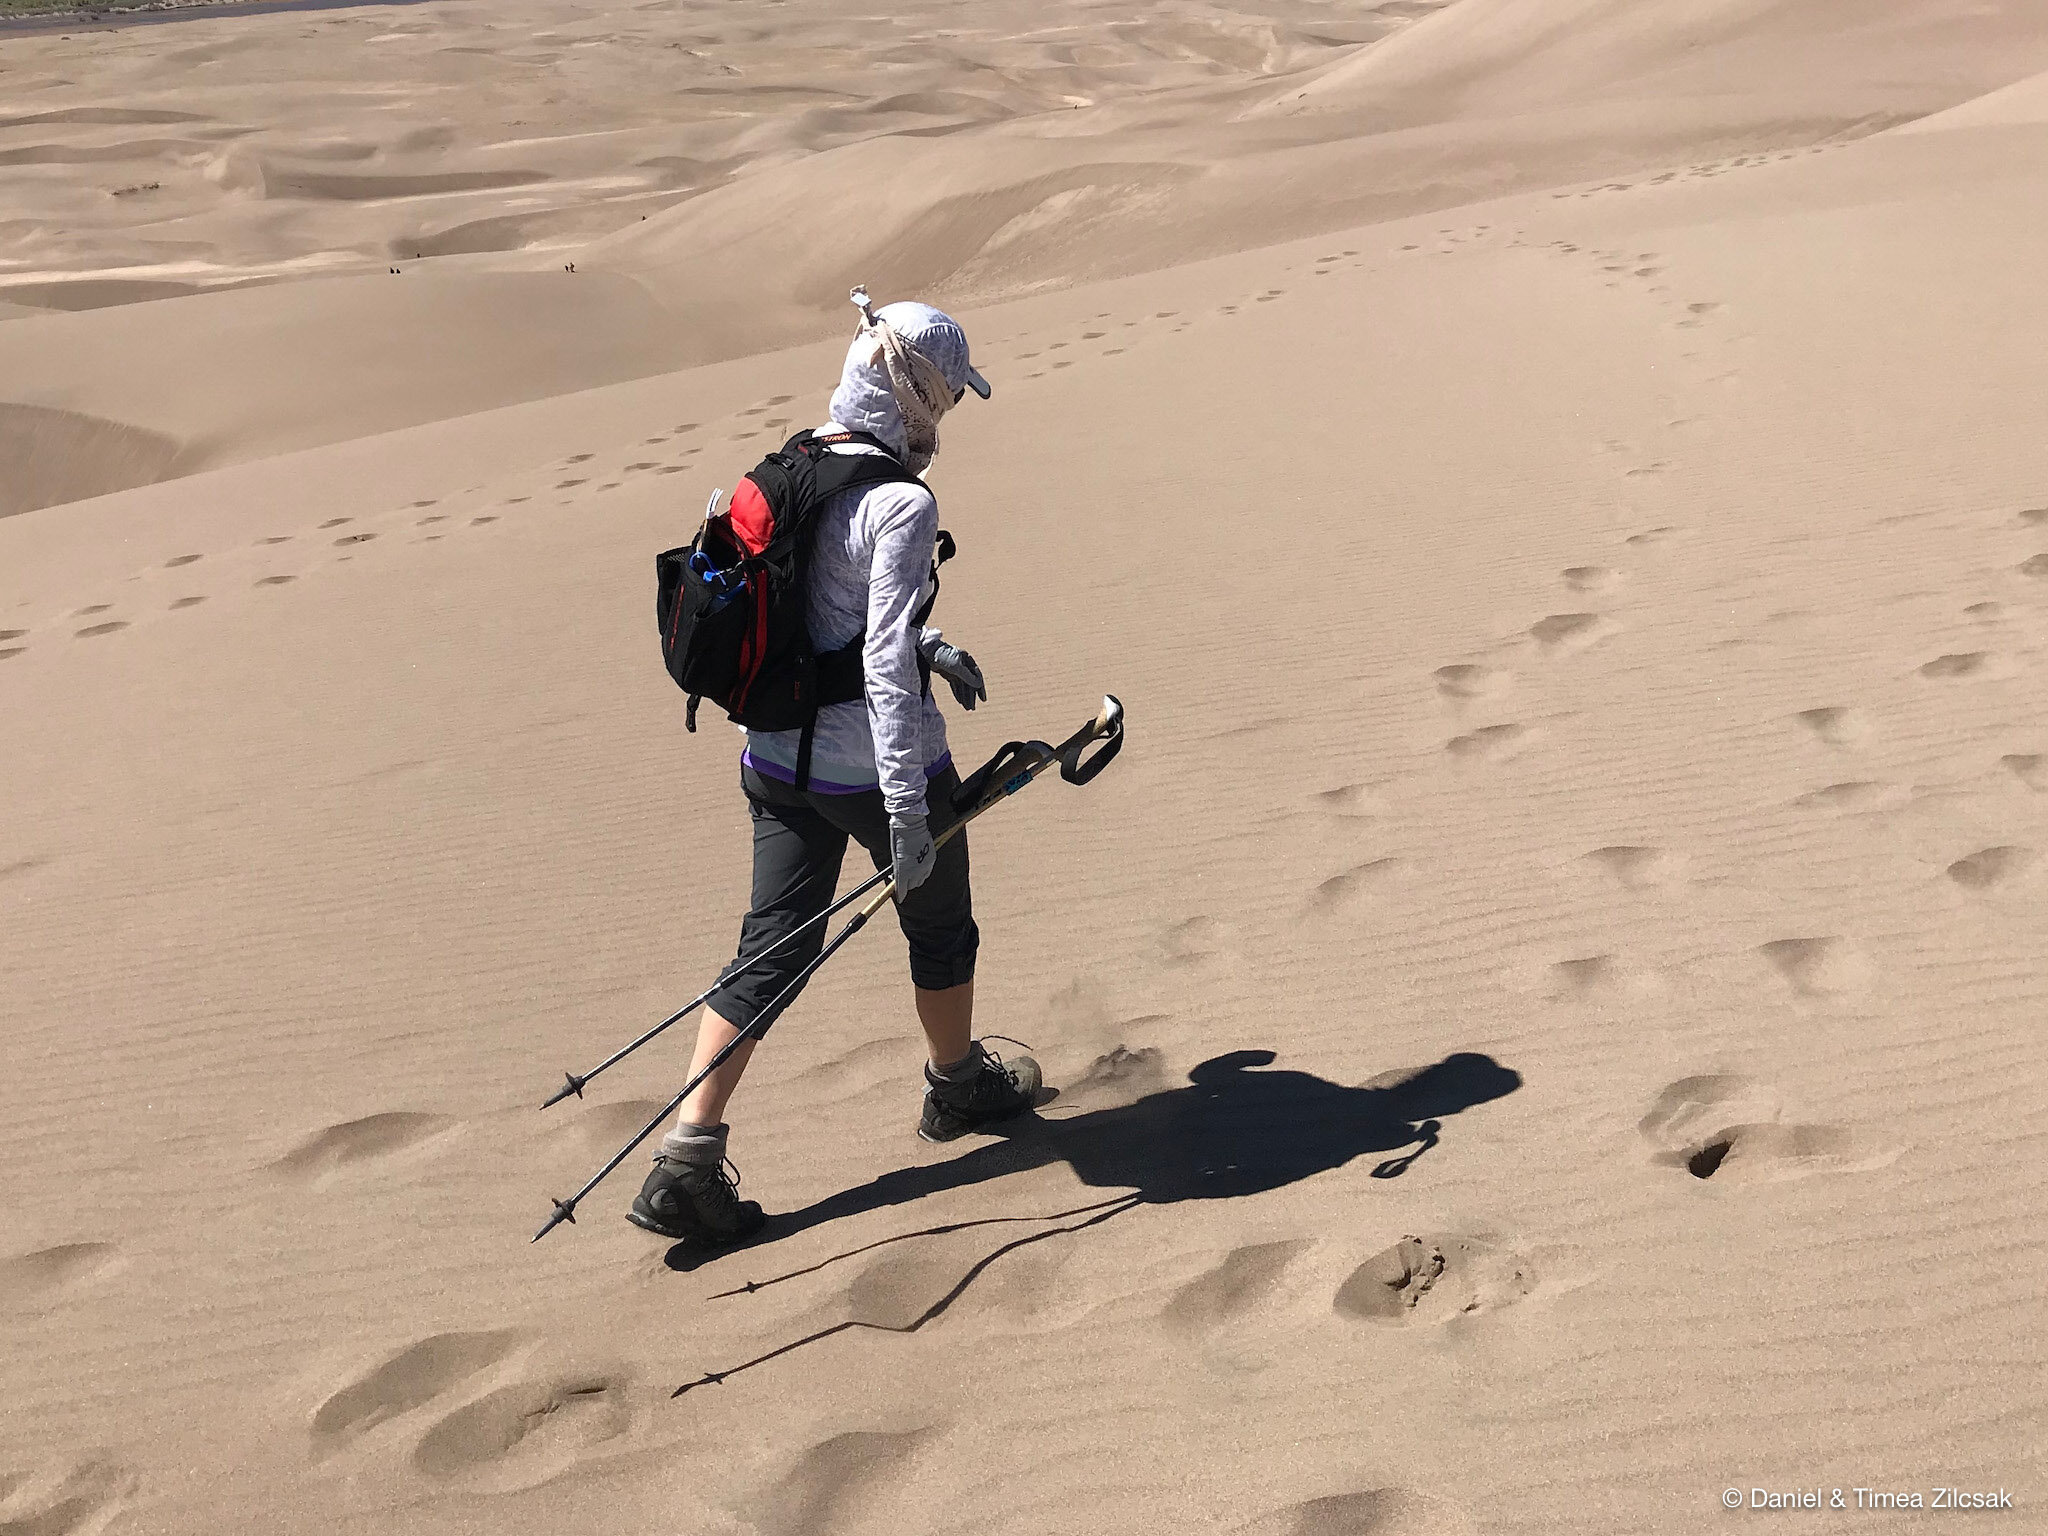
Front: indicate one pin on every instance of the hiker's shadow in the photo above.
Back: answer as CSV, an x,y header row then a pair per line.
x,y
1232,1131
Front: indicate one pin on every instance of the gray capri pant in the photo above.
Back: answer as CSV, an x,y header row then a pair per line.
x,y
799,842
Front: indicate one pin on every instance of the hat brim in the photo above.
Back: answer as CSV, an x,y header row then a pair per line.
x,y
977,383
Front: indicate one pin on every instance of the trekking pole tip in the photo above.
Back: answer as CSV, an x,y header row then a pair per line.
x,y
565,1210
573,1085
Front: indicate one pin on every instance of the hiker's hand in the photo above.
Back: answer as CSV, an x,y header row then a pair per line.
x,y
955,666
911,851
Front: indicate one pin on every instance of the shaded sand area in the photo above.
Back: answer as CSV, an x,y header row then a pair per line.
x,y
1548,1005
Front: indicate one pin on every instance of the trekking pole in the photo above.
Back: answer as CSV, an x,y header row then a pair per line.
x,y
565,1210
1013,767
972,794
576,1080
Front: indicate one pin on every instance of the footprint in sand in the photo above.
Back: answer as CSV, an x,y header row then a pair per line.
x,y
1469,680
1989,868
1351,801
2037,566
2033,517
1818,967
1585,977
1590,578
1960,664
1119,1076
585,458
1836,726
526,1432
597,1129
1242,1281
355,1141
82,1500
1432,1280
1490,743
410,1379
47,1271
1343,888
336,522
113,626
1651,535
1563,632
274,581
1194,941
569,485
1850,795
177,560
2030,768
1729,1128
353,538
1637,866
1373,1512
186,602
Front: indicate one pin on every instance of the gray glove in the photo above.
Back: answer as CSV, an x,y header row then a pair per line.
x,y
911,850
955,666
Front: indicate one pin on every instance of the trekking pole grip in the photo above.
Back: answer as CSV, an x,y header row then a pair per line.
x,y
1107,728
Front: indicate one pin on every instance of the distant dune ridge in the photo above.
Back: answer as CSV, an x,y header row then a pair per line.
x,y
1547,1006
735,179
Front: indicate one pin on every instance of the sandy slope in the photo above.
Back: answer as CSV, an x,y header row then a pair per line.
x,y
732,172
1585,656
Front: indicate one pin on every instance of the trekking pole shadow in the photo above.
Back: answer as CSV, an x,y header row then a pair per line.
x,y
946,1229
1232,1132
1105,1212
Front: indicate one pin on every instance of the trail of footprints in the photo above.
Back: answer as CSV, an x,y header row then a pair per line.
x,y
347,536
1810,967
343,537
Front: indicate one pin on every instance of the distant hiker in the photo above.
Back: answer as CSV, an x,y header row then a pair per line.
x,y
875,769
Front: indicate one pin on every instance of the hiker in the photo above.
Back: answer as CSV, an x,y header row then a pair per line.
x,y
875,769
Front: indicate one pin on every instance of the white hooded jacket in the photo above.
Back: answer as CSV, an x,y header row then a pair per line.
x,y
870,571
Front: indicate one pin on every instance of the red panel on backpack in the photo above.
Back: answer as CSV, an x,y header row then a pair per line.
x,y
753,521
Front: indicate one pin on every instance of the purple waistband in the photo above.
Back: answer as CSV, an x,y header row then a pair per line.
x,y
825,786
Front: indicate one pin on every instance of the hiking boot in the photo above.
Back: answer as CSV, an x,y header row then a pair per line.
x,y
980,1091
695,1203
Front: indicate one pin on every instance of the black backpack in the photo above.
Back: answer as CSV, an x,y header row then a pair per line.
x,y
731,603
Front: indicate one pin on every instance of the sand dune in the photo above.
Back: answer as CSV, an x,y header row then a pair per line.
x,y
1545,1007
734,184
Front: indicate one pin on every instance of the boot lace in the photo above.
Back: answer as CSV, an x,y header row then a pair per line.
x,y
716,1184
